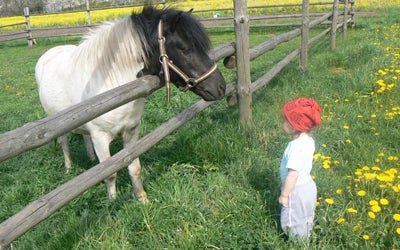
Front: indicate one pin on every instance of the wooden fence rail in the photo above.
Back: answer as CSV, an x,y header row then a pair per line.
x,y
42,208
40,132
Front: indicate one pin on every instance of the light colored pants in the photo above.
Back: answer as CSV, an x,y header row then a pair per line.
x,y
297,220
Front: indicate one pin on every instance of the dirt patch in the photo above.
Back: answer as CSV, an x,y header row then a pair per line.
x,y
337,70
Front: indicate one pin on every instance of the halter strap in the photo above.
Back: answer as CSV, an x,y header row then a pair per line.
x,y
168,64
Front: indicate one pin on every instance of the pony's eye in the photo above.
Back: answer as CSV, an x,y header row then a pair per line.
x,y
186,50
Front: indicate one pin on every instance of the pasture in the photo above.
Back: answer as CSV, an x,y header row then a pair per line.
x,y
215,186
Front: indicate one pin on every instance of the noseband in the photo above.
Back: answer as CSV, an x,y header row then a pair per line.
x,y
168,64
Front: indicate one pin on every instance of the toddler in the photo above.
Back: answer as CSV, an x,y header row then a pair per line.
x,y
298,191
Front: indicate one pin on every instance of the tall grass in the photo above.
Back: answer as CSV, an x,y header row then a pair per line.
x,y
214,186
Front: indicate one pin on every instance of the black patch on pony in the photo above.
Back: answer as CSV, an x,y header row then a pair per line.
x,y
176,22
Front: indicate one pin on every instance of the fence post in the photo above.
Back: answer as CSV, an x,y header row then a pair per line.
x,y
345,16
28,26
244,91
88,13
305,27
334,24
352,13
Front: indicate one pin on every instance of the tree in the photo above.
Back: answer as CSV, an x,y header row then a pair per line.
x,y
16,7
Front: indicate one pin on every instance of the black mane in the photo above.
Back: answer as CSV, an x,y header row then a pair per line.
x,y
175,21
181,22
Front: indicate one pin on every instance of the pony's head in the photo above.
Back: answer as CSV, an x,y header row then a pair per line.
x,y
178,43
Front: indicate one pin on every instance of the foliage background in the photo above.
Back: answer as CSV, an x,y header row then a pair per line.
x,y
98,15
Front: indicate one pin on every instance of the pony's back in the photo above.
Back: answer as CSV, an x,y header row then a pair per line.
x,y
51,71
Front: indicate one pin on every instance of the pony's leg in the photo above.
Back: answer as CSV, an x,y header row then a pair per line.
x,y
135,168
135,172
63,141
89,147
101,142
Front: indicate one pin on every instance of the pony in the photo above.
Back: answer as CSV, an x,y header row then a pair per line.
x,y
166,42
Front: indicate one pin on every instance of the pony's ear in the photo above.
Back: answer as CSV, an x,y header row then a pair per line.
x,y
175,20
190,11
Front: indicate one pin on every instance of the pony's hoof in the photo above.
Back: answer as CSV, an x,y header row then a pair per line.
x,y
112,197
143,199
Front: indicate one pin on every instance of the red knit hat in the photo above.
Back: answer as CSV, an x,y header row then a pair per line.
x,y
303,114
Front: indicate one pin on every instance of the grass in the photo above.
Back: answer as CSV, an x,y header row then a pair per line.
x,y
212,185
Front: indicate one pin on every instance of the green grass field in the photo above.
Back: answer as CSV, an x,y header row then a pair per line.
x,y
215,186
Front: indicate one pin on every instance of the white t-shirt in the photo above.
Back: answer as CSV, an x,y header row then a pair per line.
x,y
298,156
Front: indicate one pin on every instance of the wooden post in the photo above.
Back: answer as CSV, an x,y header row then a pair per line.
x,y
345,16
334,24
305,27
352,14
88,13
244,92
28,26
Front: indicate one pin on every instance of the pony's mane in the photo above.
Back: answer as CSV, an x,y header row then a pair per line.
x,y
110,46
184,23
191,28
115,48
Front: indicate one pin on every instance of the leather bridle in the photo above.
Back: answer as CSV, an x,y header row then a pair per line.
x,y
168,64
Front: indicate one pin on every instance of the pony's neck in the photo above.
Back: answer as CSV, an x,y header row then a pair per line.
x,y
112,51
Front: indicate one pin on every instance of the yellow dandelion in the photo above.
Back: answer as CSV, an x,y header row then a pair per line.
x,y
398,230
330,201
366,237
376,168
357,227
370,176
384,201
340,220
396,217
346,126
376,208
352,210
317,156
371,215
361,193
339,191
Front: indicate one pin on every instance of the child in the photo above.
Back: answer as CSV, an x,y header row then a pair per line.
x,y
298,191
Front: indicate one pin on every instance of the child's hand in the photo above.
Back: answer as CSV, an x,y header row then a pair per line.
x,y
284,201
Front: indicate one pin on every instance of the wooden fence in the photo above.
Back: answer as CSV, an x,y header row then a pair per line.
x,y
30,33
39,132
